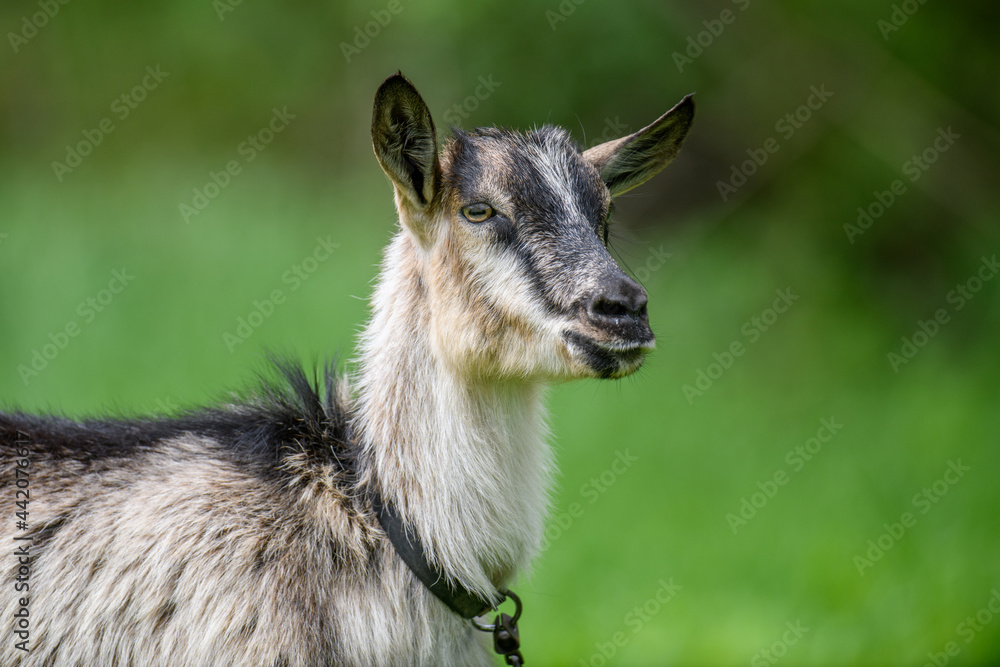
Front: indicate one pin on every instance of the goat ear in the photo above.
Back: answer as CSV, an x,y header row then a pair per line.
x,y
630,161
404,141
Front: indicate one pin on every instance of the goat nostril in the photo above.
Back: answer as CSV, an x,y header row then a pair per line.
x,y
604,307
625,299
610,308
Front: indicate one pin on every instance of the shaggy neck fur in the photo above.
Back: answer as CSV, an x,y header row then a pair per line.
x,y
464,460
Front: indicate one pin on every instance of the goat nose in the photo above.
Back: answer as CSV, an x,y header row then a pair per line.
x,y
622,301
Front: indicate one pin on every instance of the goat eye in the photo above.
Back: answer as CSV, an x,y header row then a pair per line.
x,y
477,212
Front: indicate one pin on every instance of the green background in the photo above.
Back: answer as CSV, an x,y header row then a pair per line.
x,y
600,69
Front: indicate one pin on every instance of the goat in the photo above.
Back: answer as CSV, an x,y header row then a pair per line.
x,y
254,532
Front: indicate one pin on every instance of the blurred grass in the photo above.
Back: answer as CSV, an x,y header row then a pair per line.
x,y
159,344
794,559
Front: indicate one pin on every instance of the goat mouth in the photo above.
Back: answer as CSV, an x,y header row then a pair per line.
x,y
608,359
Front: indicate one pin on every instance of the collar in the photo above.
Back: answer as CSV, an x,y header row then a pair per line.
x,y
407,543
458,598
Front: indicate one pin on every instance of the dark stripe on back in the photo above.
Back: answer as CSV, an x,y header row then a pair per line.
x,y
288,413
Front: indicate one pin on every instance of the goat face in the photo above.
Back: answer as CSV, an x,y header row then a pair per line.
x,y
511,231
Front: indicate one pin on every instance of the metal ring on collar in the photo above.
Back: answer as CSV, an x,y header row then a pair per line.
x,y
507,593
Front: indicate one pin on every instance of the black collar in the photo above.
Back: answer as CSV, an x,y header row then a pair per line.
x,y
407,543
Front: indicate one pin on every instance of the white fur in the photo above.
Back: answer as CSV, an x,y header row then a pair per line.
x,y
463,458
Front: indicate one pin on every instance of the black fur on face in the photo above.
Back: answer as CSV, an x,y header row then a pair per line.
x,y
551,212
552,207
